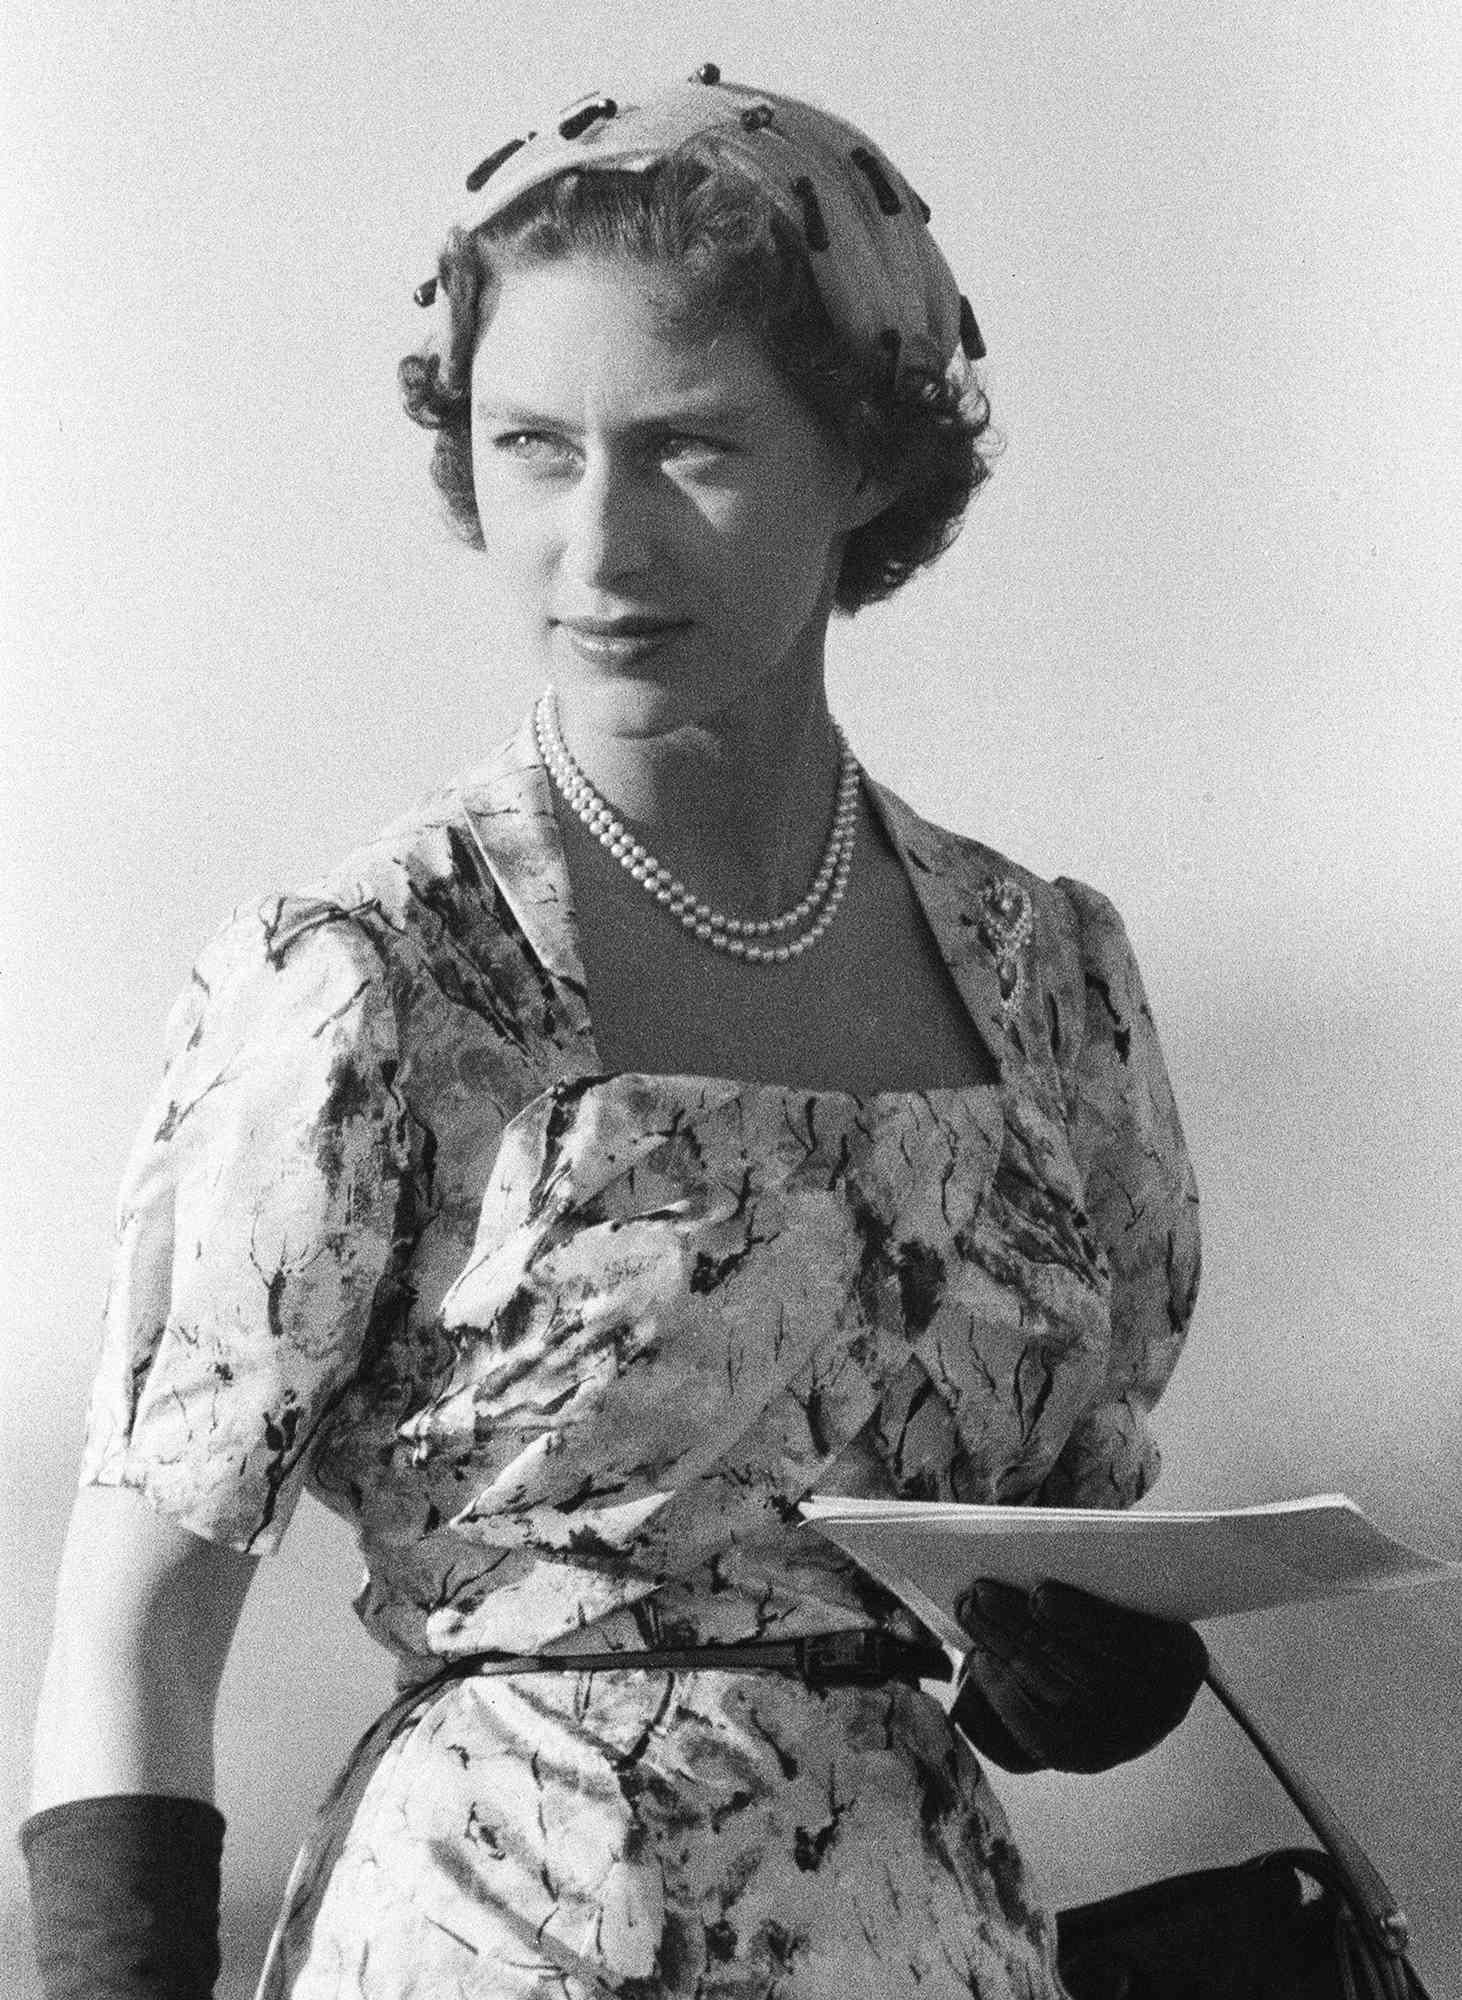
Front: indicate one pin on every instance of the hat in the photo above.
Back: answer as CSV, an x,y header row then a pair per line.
x,y
881,276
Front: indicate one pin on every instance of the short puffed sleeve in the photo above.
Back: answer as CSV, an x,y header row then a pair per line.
x,y
257,1225
1143,1203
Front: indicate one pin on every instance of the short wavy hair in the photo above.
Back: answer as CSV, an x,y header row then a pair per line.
x,y
734,260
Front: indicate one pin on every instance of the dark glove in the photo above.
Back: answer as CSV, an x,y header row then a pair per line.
x,y
1059,1680
124,1892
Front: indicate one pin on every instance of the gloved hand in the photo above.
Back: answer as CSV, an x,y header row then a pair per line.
x,y
1059,1680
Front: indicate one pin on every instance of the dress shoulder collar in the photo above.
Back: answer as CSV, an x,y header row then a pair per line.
x,y
1005,934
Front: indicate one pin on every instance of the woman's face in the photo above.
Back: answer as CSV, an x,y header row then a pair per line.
x,y
665,513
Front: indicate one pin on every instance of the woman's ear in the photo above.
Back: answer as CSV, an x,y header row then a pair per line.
x,y
867,501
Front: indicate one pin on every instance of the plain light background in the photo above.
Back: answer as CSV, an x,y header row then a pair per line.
x,y
1197,645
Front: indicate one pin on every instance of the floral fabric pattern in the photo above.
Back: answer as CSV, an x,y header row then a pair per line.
x,y
568,1347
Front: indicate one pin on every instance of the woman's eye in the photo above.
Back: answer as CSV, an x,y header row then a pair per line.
x,y
688,444
533,447
692,455
545,452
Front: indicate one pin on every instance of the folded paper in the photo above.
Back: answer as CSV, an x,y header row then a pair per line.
x,y
1187,1565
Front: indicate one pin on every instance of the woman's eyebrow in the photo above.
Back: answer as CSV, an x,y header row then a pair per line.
x,y
678,416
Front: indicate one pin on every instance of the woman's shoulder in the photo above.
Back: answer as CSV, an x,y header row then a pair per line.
x,y
1066,923
445,931
436,851
427,879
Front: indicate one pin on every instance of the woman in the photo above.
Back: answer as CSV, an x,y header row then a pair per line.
x,y
563,1229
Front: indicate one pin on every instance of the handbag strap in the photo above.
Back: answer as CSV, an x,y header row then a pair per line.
x,y
1379,1916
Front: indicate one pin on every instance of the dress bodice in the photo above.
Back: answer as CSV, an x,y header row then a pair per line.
x,y
568,1347
690,1303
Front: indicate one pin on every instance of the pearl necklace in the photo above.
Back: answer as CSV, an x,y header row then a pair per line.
x,y
749,938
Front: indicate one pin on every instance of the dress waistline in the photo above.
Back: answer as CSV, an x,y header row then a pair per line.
x,y
857,1658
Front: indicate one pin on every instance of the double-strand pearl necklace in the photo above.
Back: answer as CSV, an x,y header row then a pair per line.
x,y
762,940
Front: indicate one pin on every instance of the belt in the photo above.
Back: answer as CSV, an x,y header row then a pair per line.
x,y
858,1658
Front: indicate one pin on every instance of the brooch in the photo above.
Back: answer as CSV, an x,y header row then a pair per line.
x,y
1006,925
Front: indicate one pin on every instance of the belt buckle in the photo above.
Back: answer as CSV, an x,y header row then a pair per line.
x,y
845,1659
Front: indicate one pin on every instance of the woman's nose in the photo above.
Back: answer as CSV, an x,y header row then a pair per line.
x,y
607,533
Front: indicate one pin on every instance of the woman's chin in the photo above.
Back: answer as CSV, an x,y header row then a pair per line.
x,y
640,693
622,705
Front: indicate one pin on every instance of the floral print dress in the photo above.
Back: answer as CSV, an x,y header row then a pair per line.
x,y
568,1348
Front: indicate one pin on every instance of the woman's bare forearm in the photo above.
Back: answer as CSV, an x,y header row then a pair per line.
x,y
145,1614
121,1717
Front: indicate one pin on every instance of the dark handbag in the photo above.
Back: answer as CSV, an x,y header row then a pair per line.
x,y
1295,1924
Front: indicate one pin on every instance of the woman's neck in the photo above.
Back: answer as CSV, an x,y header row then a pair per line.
x,y
737,803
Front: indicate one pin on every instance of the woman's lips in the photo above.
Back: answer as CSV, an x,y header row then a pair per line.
x,y
616,641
